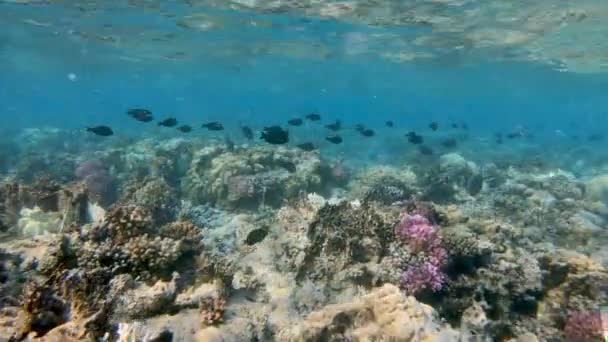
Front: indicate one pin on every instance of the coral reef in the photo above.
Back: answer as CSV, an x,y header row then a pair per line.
x,y
100,184
248,178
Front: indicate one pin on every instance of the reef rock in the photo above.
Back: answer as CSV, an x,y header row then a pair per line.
x,y
597,189
248,178
34,222
384,314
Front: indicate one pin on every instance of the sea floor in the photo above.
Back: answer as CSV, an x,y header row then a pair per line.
x,y
185,239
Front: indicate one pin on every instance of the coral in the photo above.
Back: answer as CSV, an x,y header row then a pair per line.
x,y
584,327
100,184
41,309
422,237
212,310
384,184
596,189
146,301
157,197
383,314
343,238
454,178
35,222
252,177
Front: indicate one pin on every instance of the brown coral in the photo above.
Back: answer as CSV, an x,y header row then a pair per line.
x,y
186,231
212,310
125,222
41,310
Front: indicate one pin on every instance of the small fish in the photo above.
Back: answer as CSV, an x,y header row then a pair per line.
x,y
184,129
334,139
213,126
367,132
514,135
389,124
247,132
449,143
336,126
414,138
307,146
170,122
103,131
295,122
313,117
425,150
140,114
455,125
275,135
434,126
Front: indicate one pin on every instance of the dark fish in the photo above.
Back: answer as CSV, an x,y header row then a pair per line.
x,y
389,124
464,126
213,126
307,146
313,117
295,122
595,137
414,138
367,132
336,126
449,143
455,125
103,131
170,122
184,129
434,126
247,132
140,114
334,139
275,135
425,150
514,135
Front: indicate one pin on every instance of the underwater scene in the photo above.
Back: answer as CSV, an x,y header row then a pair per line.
x,y
303,170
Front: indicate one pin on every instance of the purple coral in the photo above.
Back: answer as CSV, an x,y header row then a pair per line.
x,y
423,239
419,277
584,326
98,180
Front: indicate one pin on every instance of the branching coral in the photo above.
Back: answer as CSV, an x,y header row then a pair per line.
x,y
422,238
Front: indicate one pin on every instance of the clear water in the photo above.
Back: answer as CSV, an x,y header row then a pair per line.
x,y
539,68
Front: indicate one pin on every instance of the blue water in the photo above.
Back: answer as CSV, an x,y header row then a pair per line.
x,y
255,81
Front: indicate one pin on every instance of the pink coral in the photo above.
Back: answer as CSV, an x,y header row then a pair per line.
x,y
584,327
419,277
422,238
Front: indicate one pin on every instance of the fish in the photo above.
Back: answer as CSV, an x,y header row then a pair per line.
x,y
103,131
359,127
389,124
367,132
140,114
307,146
334,139
169,122
425,150
455,125
514,135
449,143
313,117
336,126
414,138
434,126
275,135
295,122
213,126
184,129
247,132
595,137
